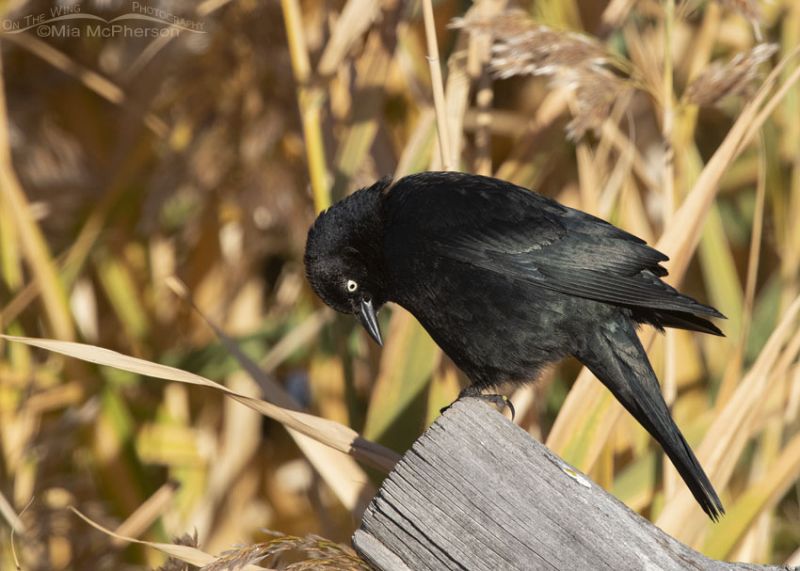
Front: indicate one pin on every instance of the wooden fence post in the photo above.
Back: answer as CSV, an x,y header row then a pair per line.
x,y
476,492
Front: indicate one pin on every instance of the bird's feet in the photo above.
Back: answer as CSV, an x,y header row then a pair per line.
x,y
500,402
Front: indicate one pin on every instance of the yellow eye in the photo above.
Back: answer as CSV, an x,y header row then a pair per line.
x,y
351,286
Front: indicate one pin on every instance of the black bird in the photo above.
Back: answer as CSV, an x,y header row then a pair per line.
x,y
506,281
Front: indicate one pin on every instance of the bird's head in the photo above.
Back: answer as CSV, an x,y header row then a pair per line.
x,y
344,256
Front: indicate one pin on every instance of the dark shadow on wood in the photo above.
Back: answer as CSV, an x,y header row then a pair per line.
x,y
476,492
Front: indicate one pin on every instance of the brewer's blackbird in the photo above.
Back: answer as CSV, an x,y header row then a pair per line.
x,y
506,281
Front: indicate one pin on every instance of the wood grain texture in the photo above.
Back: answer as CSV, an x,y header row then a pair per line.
x,y
476,492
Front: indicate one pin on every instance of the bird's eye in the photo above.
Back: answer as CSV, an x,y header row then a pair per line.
x,y
351,286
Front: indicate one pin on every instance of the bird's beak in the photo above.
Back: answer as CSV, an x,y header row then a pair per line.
x,y
366,314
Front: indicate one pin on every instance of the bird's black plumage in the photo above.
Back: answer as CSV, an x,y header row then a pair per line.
x,y
506,281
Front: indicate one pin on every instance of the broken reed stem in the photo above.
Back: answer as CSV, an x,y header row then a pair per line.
x,y
309,100
437,86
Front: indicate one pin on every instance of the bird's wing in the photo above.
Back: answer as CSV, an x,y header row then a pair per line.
x,y
521,234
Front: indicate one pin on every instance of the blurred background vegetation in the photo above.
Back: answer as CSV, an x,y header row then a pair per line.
x,y
204,155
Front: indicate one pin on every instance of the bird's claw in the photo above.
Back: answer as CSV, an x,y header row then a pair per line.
x,y
500,402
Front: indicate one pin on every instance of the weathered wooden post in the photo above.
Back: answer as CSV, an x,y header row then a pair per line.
x,y
476,492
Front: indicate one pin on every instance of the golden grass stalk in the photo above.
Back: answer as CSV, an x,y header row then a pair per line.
x,y
330,433
309,100
437,86
354,20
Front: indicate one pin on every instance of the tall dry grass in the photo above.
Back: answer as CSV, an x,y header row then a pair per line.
x,y
154,199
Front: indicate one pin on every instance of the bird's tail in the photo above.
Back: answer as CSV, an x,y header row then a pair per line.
x,y
616,357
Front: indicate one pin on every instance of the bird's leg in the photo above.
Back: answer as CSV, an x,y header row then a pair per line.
x,y
500,402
